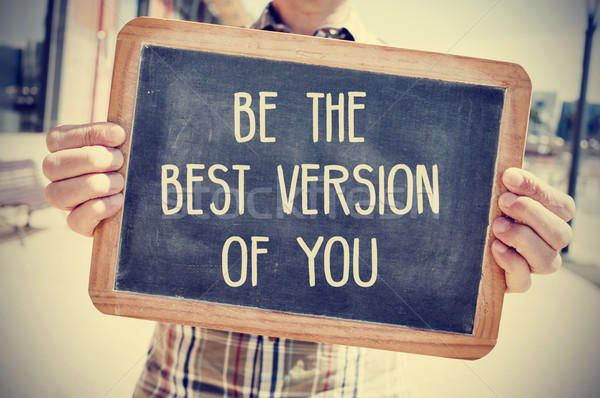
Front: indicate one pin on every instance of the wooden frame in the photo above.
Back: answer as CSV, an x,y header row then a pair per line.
x,y
302,49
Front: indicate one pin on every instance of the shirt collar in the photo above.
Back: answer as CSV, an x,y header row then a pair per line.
x,y
352,28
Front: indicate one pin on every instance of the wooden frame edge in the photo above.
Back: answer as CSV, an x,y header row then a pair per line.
x,y
262,322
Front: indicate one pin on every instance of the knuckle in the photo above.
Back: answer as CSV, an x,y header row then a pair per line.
x,y
91,135
53,139
520,286
551,263
76,223
571,206
537,191
556,262
525,286
517,233
50,194
529,184
115,203
117,183
114,134
524,209
505,231
551,198
120,181
563,237
118,159
568,208
85,218
85,133
49,165
110,207
99,158
58,196
105,207
85,136
98,184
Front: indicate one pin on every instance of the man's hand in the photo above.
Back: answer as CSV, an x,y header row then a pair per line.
x,y
82,169
534,231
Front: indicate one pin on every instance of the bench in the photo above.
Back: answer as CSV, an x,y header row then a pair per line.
x,y
21,193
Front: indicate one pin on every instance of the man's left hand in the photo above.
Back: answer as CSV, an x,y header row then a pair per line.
x,y
533,232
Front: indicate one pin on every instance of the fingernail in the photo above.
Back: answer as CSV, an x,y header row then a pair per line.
x,y
507,199
115,135
117,159
499,247
501,225
513,178
117,182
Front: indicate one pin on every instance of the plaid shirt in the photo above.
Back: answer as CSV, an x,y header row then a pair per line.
x,y
185,361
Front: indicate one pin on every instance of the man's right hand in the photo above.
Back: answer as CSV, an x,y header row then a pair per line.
x,y
82,167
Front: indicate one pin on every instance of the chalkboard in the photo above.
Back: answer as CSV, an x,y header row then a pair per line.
x,y
307,188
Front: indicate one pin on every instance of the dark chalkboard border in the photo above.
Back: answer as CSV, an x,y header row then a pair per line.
x,y
301,49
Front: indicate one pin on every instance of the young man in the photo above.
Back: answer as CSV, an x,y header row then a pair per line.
x,y
188,361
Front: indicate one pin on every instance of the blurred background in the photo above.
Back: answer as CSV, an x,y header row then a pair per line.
x,y
55,68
